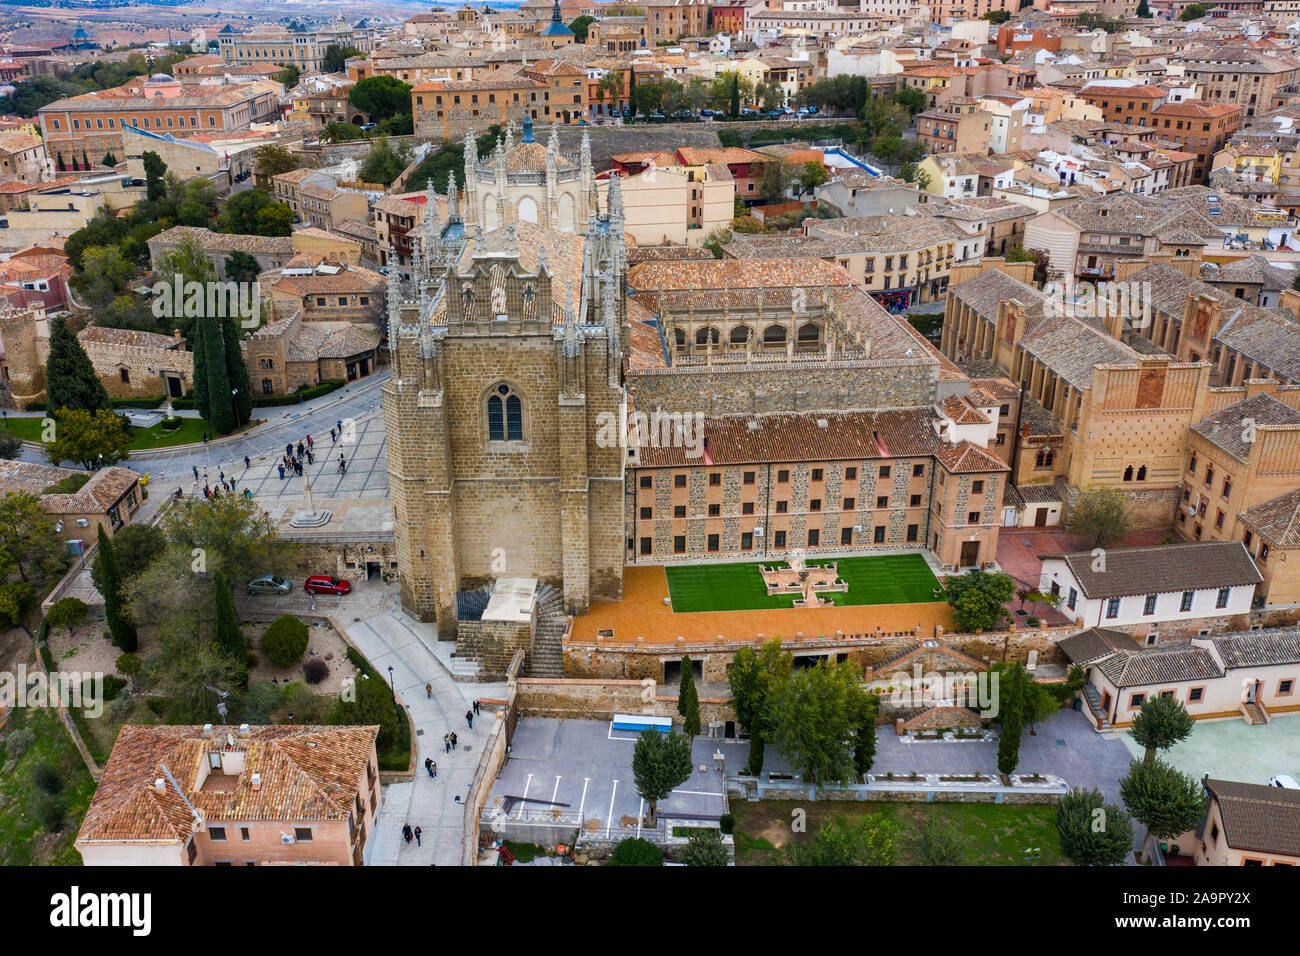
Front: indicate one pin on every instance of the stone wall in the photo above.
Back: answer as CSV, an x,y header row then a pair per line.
x,y
135,371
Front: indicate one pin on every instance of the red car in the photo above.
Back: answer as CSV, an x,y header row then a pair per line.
x,y
324,584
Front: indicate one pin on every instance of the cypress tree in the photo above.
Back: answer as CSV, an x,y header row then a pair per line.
x,y
688,701
70,379
1012,702
85,160
631,91
229,636
120,625
200,350
735,96
237,372
219,411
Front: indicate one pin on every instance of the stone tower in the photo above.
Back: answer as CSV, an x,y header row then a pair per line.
x,y
507,383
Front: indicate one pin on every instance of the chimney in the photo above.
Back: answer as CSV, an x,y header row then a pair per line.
x,y
256,782
160,784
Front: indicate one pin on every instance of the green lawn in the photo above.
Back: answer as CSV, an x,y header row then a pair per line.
x,y
990,834
28,428
23,840
880,579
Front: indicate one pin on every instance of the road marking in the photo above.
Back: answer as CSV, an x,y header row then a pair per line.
x,y
585,781
528,783
610,820
557,788
639,811
698,793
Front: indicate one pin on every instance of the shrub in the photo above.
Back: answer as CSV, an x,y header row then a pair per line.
x,y
636,852
705,848
261,699
113,685
727,823
46,778
285,640
19,742
157,705
315,670
51,811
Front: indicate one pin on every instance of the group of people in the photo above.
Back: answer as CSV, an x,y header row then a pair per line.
x,y
296,458
408,833
449,739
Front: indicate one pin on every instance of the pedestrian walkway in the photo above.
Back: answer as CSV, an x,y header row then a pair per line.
x,y
389,640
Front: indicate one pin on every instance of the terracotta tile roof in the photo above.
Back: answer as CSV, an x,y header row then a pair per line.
x,y
1162,569
1227,428
1258,818
793,437
307,773
1264,648
1277,520
1160,665
1195,108
966,458
687,275
1096,643
129,337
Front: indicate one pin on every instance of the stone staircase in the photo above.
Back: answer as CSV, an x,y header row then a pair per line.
x,y
547,658
1091,695
1254,713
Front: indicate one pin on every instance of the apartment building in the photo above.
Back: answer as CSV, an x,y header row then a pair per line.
x,y
1200,126
671,19
302,48
234,796
1236,75
1127,103
961,125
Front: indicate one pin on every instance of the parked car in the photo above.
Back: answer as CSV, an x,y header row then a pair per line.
x,y
366,126
1285,781
707,113
269,584
324,584
748,111
774,114
656,115
684,114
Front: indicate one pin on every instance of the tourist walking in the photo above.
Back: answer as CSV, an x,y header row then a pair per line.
x,y
196,472
428,691
407,833
281,467
418,834
446,742
475,707
469,718
453,740
247,463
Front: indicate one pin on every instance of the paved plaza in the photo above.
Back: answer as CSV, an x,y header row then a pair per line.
x,y
1235,750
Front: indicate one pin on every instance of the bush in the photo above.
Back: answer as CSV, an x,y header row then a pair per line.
x,y
307,393
47,779
157,705
261,699
19,742
727,823
705,848
113,685
51,811
285,640
315,670
636,852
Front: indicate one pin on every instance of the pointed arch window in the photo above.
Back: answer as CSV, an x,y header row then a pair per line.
x,y
505,415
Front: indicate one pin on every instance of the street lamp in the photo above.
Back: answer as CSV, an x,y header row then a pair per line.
x,y
391,686
234,404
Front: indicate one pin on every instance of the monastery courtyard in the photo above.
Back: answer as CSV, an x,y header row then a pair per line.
x,y
894,593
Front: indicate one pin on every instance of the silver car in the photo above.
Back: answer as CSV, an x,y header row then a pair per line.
x,y
269,584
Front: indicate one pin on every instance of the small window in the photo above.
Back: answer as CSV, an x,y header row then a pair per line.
x,y
646,514
917,471
783,475
715,510
679,544
814,538
878,534
914,501
679,481
1186,603
302,834
647,481
715,478
1149,604
747,507
217,834
679,511
884,471
748,478
1136,701
816,474
645,545
1112,608
713,542
815,504
1195,695
977,487
1221,600
882,501
782,507
846,536
850,474
913,532
849,504
972,517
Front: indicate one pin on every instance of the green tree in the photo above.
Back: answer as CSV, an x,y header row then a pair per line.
x,y
212,399
275,219
241,267
91,439
285,641
240,214
16,596
939,843
70,379
997,16
198,203
1194,11
190,669
1162,798
109,160
866,840
28,539
579,28
132,667
121,627
336,57
815,717
228,634
635,851
866,708
1039,257
977,599
382,164
705,848
733,108
341,133
1143,10
1012,704
811,175
1100,516
660,764
774,180
886,147
911,99
237,372
68,612
11,446
272,160
688,701
136,546
380,97
105,274
1160,723
154,170
755,678
373,705
231,534
1092,831
288,76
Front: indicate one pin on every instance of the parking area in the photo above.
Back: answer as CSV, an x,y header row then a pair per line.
x,y
584,766
1234,750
